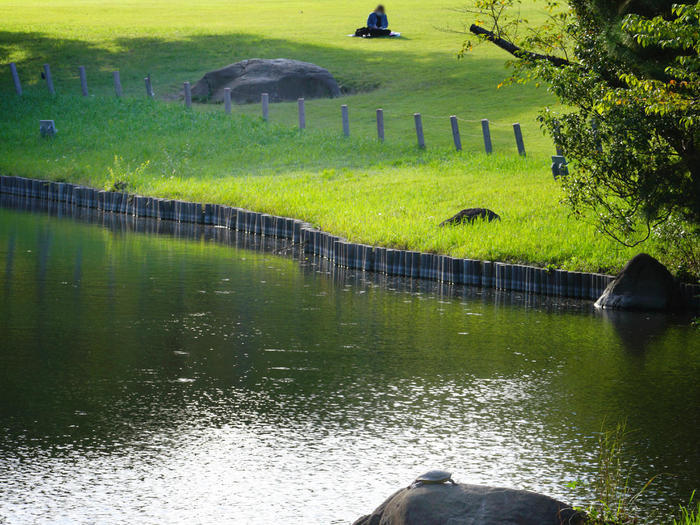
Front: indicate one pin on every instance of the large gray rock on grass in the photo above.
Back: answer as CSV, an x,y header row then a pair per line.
x,y
462,504
281,78
643,284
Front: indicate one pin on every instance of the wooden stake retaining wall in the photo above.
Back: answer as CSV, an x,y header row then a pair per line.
x,y
402,263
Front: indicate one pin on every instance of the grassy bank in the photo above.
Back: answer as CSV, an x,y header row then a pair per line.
x,y
389,194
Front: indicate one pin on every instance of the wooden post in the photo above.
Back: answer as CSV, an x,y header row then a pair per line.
x,y
117,84
455,133
302,114
419,130
380,124
265,106
188,95
15,78
149,87
487,135
227,100
346,120
559,167
519,139
83,81
49,80
557,131
47,128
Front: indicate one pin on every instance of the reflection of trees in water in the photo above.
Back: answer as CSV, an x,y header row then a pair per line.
x,y
9,260
656,391
639,330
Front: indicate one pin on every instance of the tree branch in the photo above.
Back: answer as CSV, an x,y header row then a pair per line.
x,y
516,51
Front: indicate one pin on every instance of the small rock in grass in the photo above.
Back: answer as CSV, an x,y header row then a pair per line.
x,y
470,215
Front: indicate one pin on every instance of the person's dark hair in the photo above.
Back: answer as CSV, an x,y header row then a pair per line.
x,y
379,9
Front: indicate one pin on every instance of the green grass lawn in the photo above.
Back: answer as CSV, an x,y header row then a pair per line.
x,y
389,194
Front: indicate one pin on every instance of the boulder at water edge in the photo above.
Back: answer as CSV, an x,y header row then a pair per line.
x,y
643,284
282,79
461,504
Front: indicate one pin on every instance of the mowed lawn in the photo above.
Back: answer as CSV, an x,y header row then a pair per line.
x,y
390,194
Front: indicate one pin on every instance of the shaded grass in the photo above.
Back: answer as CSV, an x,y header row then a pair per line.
x,y
178,41
390,194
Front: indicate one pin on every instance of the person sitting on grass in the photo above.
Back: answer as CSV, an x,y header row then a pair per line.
x,y
377,19
377,24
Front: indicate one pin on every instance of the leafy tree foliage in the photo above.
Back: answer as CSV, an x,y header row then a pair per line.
x,y
627,73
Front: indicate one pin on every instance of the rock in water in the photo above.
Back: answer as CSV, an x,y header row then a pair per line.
x,y
462,504
643,284
470,215
281,78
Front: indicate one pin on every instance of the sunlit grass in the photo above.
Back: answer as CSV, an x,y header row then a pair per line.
x,y
390,194
690,514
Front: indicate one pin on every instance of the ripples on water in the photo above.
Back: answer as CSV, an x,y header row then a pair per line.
x,y
157,379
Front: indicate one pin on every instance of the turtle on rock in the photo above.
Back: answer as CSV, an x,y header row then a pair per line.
x,y
433,477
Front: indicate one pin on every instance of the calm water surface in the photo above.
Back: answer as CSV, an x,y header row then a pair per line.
x,y
158,379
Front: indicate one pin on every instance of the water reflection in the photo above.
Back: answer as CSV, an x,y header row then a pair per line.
x,y
638,331
9,260
196,376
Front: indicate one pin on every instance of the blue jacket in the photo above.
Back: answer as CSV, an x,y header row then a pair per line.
x,y
376,20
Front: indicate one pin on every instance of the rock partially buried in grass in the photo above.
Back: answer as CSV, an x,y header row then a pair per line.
x,y
643,284
470,215
445,503
283,79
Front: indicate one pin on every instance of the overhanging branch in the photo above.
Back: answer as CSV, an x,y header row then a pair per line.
x,y
516,51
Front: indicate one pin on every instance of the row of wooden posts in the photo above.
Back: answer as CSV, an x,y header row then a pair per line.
x,y
418,122
301,108
46,73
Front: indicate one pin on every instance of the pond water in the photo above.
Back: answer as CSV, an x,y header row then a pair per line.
x,y
205,376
